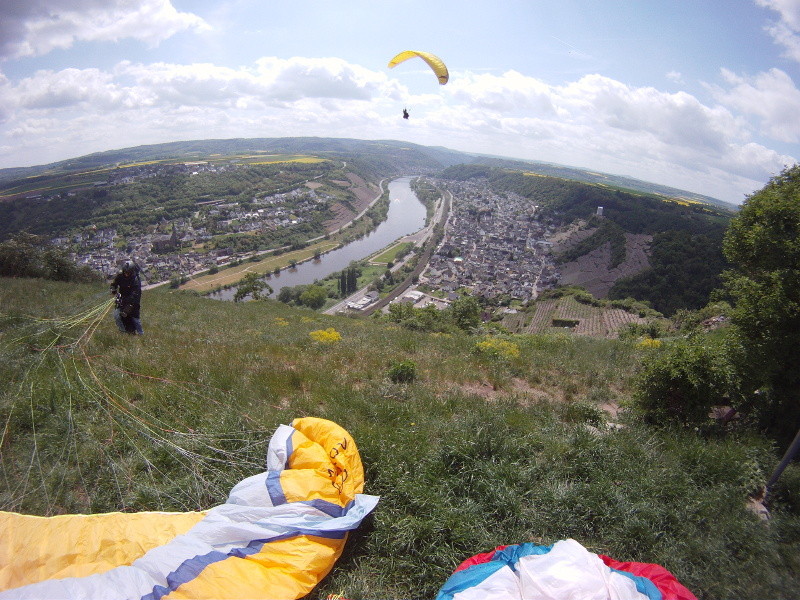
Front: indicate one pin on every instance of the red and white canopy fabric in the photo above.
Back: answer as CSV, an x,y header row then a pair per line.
x,y
562,571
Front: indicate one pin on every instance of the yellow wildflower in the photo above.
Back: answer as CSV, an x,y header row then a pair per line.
x,y
498,348
649,343
326,336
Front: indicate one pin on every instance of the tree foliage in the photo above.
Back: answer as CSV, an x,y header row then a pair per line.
x,y
763,245
684,270
26,255
314,296
466,312
684,380
252,285
348,280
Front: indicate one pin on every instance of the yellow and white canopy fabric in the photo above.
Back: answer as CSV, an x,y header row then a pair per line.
x,y
278,534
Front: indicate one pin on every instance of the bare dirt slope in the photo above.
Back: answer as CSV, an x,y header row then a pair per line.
x,y
591,270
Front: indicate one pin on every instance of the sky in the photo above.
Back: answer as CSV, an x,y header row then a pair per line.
x,y
700,95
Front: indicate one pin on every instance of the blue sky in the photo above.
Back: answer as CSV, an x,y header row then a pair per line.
x,y
697,94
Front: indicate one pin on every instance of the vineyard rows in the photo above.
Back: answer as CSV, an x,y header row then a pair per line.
x,y
589,320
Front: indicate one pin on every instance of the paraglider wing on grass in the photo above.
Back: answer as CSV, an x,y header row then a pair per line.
x,y
277,535
561,571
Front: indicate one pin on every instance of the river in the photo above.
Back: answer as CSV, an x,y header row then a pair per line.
x,y
406,215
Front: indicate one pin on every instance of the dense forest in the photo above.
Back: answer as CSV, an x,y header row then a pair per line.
x,y
684,269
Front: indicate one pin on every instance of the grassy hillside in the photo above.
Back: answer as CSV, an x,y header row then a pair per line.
x,y
481,449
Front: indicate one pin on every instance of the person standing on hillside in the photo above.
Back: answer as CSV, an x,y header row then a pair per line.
x,y
127,286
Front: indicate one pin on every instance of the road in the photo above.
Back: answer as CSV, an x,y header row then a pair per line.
x,y
418,238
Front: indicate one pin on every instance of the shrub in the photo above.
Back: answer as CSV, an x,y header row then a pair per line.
x,y
570,323
584,412
404,371
650,329
685,379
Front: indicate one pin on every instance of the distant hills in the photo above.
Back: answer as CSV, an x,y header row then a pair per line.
x,y
382,156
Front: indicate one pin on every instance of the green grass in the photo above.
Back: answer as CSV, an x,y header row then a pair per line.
x,y
391,254
478,451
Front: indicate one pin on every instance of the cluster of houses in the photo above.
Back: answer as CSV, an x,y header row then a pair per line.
x,y
268,213
175,249
495,245
156,253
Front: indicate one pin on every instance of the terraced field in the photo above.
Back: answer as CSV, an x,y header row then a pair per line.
x,y
567,314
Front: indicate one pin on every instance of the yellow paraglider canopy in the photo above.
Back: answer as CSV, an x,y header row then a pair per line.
x,y
434,62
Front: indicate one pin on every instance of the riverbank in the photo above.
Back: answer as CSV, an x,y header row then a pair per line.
x,y
406,215
423,238
278,260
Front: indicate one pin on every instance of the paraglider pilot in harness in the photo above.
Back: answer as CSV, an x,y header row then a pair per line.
x,y
127,286
405,113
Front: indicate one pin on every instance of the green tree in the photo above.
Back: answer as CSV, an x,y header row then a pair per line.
x,y
763,245
400,311
286,295
26,255
314,296
351,280
252,285
466,312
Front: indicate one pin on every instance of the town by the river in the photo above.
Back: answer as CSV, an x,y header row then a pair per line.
x,y
406,216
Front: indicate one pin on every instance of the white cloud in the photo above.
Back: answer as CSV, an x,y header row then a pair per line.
x,y
786,31
602,108
271,82
54,90
772,97
670,138
789,11
297,78
509,92
595,121
36,27
675,76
